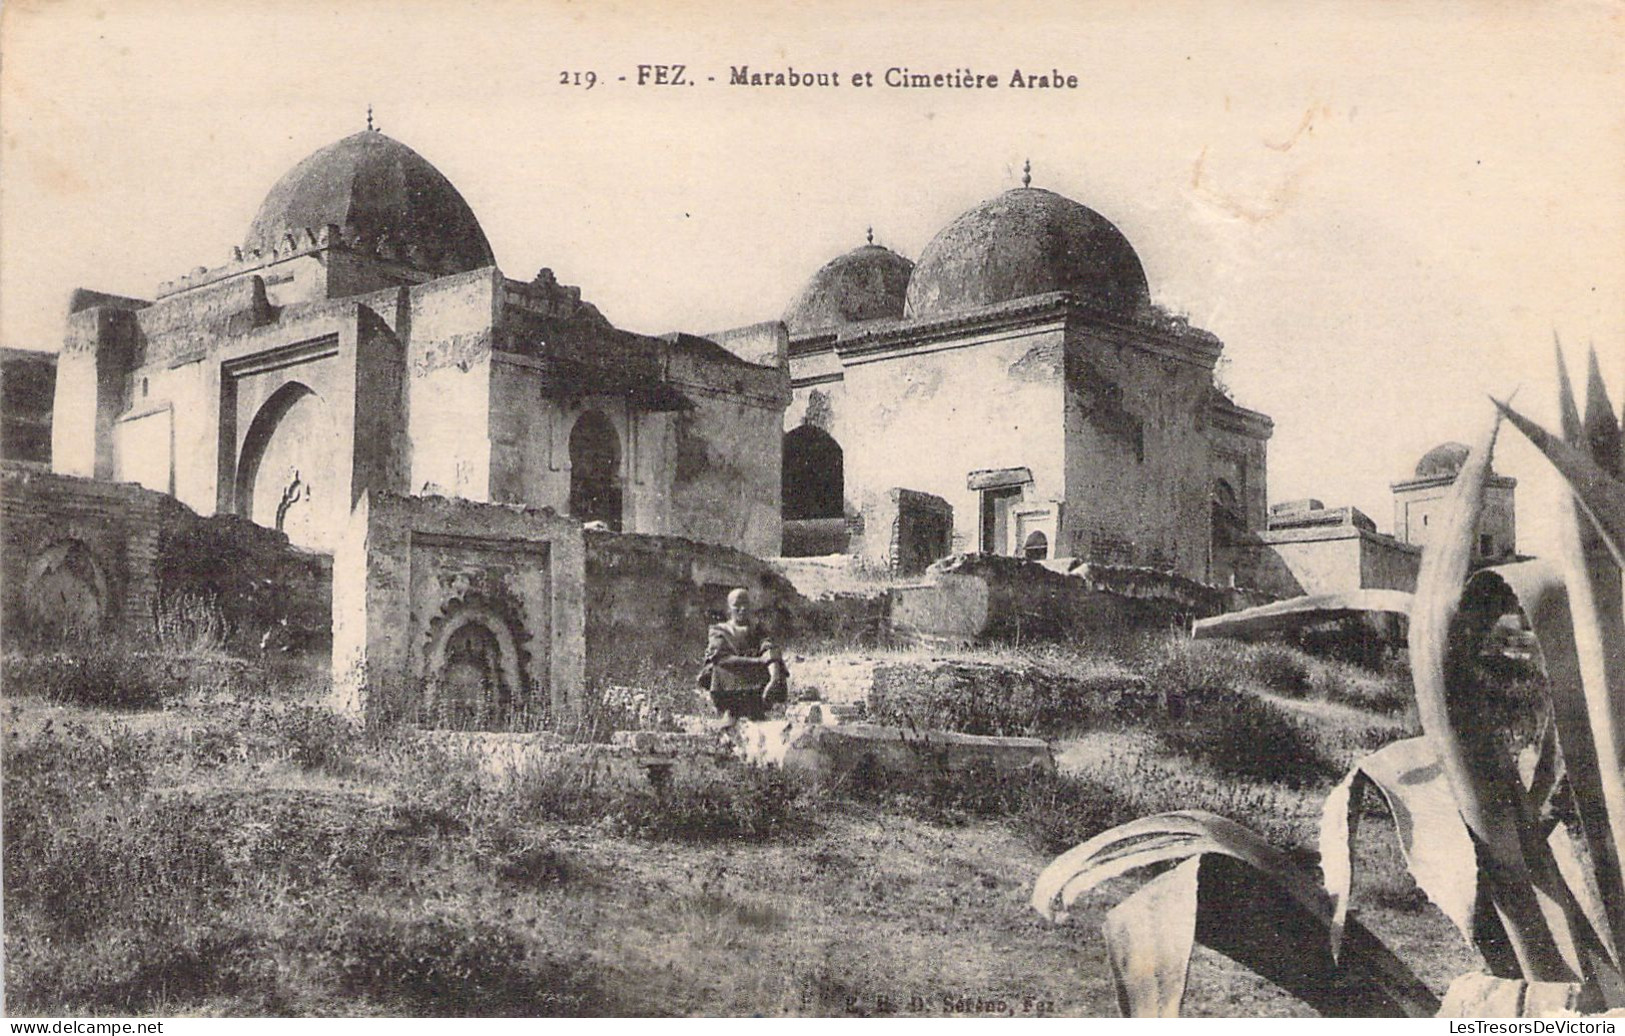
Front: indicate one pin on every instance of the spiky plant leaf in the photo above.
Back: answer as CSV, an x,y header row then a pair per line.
x,y
1250,903
1599,494
1601,428
1437,848
1482,778
1542,595
1149,939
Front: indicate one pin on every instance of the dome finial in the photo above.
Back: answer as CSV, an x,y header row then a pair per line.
x,y
1027,173
369,119
871,234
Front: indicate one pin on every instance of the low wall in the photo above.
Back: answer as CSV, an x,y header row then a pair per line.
x,y
984,597
649,600
80,556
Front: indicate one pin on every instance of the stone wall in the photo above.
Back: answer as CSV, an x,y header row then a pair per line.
x,y
905,531
79,554
1330,559
649,600
84,556
458,614
980,597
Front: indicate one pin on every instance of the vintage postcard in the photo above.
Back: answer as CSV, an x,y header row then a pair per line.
x,y
864,509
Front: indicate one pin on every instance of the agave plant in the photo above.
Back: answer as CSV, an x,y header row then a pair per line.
x,y
1541,901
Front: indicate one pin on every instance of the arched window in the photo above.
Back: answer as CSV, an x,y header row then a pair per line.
x,y
814,475
1036,548
595,470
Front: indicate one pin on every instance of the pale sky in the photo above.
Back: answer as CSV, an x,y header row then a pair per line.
x,y
1384,209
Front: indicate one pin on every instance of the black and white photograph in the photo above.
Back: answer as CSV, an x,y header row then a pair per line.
x,y
865,509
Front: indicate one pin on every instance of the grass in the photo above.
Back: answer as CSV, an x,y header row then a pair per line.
x,y
260,858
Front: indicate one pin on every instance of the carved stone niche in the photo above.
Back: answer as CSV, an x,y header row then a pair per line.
x,y
66,593
475,665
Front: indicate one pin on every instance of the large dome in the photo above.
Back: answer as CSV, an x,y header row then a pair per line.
x,y
1027,241
378,192
867,283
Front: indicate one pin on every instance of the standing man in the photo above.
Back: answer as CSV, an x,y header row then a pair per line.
x,y
744,671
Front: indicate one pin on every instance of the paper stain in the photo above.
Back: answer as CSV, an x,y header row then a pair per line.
x,y
56,177
1253,210
1307,125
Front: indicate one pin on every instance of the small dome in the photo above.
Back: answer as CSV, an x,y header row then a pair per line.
x,y
375,190
1444,460
1027,241
867,283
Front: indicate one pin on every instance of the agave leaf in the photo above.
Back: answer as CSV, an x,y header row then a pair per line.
x,y
1438,850
1579,878
1573,426
1598,607
1149,938
1599,494
1544,598
1602,435
1482,778
1162,838
1545,769
1249,902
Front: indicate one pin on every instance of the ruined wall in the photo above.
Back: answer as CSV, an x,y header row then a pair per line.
x,y
458,614
905,531
79,554
650,599
925,419
107,559
978,597
723,461
1139,474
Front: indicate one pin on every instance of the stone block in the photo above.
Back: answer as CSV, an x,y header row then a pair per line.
x,y
668,743
824,713
831,751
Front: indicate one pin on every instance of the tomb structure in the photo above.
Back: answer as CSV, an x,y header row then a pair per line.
x,y
1020,375
362,338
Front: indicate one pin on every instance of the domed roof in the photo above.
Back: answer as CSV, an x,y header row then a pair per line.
x,y
867,283
1444,460
1027,241
376,190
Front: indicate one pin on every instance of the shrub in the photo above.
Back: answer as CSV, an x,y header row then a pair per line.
x,y
95,678
747,803
1189,673
132,972
115,676
1249,737
1007,699
442,966
190,623
316,738
1281,670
